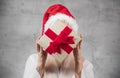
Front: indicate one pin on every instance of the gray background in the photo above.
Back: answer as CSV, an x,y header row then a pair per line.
x,y
99,22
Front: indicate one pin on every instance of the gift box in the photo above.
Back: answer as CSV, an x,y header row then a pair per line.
x,y
59,40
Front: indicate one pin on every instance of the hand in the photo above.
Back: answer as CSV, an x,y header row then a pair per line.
x,y
42,56
78,59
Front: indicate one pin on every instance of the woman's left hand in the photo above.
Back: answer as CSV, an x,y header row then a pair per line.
x,y
78,59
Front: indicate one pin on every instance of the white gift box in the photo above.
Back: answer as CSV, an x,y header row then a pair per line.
x,y
59,40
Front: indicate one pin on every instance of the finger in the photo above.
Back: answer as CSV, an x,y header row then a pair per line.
x,y
38,38
78,47
40,48
45,53
81,36
42,52
37,45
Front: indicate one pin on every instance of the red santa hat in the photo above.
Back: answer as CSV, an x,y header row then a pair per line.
x,y
58,11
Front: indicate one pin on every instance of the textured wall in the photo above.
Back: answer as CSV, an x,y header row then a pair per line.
x,y
99,22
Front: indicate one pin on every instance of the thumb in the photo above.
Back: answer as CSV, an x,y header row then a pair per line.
x,y
37,45
81,39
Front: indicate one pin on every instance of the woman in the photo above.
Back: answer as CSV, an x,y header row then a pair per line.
x,y
43,65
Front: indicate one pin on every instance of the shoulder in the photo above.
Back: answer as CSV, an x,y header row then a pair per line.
x,y
32,58
87,71
87,64
30,67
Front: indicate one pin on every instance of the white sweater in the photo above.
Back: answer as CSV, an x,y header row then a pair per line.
x,y
31,72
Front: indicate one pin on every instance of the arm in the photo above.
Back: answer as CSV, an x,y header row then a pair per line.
x,y
78,59
42,56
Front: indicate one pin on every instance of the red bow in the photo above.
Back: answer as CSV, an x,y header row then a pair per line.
x,y
60,41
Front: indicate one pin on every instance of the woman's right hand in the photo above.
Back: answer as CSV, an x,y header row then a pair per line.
x,y
42,56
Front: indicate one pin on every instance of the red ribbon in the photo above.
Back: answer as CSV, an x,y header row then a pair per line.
x,y
60,41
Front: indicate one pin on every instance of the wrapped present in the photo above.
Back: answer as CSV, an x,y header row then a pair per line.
x,y
59,40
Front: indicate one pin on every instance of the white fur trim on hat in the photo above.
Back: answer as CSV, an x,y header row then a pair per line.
x,y
71,21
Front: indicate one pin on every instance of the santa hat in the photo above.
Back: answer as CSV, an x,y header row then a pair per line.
x,y
58,11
